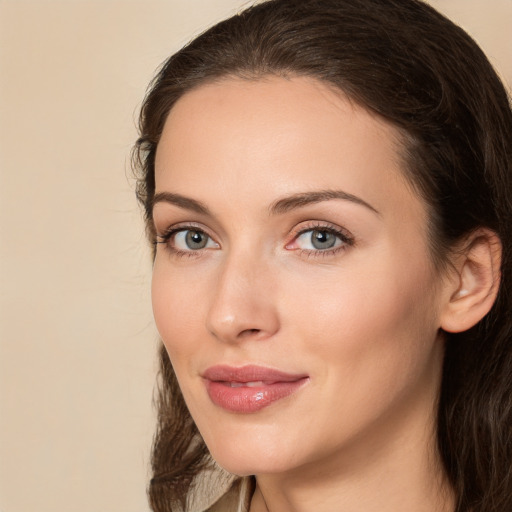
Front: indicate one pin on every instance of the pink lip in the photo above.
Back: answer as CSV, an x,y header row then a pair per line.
x,y
250,388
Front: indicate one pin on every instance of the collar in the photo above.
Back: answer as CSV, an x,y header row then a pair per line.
x,y
216,490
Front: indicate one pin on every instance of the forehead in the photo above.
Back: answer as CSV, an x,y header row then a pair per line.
x,y
234,138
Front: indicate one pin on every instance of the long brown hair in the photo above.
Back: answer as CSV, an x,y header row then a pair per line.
x,y
407,63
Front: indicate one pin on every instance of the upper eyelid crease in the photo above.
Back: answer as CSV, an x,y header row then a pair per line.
x,y
344,235
172,230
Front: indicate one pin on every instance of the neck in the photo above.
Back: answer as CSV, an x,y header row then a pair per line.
x,y
394,469
381,493
381,487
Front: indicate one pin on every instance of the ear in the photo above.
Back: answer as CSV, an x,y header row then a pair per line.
x,y
475,281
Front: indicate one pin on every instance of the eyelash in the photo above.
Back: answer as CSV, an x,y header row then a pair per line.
x,y
172,231
345,237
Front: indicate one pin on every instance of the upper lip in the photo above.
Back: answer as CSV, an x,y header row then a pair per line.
x,y
249,373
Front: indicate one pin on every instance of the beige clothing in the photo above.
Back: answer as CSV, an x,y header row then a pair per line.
x,y
217,490
237,498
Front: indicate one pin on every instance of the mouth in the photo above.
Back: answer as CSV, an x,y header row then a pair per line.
x,y
249,389
255,384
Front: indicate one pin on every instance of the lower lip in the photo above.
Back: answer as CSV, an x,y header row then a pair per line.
x,y
250,399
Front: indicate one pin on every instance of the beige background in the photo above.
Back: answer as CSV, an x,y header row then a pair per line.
x,y
77,345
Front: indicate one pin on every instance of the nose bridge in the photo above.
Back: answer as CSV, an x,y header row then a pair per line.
x,y
242,303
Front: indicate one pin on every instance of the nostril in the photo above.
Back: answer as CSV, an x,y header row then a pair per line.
x,y
249,332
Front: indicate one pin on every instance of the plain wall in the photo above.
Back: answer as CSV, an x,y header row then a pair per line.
x,y
77,341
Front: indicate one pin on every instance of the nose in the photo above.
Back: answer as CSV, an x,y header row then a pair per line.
x,y
243,303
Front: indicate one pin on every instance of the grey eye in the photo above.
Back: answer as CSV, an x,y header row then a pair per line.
x,y
319,240
323,239
192,240
196,239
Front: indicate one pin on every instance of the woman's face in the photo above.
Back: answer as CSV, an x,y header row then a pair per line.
x,y
292,286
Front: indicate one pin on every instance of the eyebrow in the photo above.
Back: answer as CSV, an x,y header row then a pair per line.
x,y
181,201
306,198
278,207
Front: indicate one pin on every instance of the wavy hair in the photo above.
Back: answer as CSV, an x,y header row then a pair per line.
x,y
405,62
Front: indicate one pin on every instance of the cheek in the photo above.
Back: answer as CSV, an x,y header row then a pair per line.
x,y
376,324
370,342
175,309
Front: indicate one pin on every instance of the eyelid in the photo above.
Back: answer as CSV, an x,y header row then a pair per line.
x,y
182,226
346,238
319,225
166,237
343,234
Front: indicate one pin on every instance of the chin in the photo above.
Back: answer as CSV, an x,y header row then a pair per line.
x,y
250,458
249,467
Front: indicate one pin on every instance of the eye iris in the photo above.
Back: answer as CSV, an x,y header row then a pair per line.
x,y
322,239
196,240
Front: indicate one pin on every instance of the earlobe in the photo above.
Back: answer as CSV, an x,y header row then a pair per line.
x,y
476,281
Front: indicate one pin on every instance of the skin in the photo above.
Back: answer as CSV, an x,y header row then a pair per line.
x,y
362,319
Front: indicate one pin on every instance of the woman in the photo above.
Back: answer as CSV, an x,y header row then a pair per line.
x,y
328,186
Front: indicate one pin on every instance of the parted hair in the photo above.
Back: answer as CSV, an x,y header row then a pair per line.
x,y
404,62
